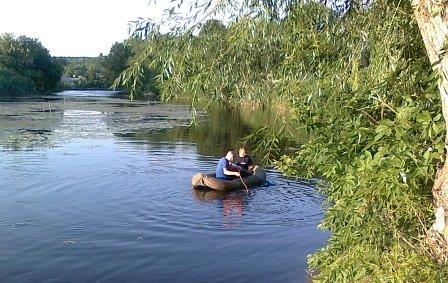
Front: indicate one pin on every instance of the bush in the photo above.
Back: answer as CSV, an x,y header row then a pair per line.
x,y
13,84
26,66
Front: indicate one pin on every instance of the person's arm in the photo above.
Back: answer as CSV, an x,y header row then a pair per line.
x,y
251,165
249,161
233,166
231,173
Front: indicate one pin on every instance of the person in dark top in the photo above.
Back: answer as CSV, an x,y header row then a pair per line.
x,y
244,161
225,169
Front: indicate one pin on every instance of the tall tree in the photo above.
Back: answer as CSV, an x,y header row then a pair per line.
x,y
116,61
29,59
432,18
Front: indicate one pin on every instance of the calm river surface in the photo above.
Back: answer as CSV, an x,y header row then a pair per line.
x,y
96,189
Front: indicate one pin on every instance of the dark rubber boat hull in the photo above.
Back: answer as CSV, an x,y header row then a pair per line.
x,y
208,181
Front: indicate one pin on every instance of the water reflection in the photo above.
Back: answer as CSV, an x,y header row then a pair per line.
x,y
89,93
222,130
83,123
231,203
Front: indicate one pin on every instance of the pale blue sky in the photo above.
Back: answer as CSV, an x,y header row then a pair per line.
x,y
74,27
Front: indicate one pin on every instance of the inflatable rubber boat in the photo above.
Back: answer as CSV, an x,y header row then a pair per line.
x,y
208,181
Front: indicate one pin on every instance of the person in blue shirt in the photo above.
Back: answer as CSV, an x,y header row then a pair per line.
x,y
225,169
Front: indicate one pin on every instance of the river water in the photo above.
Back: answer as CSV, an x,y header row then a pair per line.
x,y
94,188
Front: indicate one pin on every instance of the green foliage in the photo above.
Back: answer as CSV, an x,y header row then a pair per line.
x,y
269,142
116,61
362,88
14,84
375,135
84,72
212,27
101,71
26,67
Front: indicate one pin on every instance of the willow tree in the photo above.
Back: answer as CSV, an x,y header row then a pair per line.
x,y
356,76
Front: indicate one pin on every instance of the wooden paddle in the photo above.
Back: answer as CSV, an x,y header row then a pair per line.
x,y
241,178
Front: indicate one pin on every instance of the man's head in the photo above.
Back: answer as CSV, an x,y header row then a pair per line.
x,y
242,152
229,155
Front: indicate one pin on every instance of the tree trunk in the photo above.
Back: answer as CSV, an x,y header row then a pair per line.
x,y
432,19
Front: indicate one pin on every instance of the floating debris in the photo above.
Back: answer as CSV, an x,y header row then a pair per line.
x,y
69,242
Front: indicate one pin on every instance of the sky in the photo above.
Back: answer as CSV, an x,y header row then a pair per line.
x,y
75,27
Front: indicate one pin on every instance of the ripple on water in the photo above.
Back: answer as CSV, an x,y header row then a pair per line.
x,y
127,208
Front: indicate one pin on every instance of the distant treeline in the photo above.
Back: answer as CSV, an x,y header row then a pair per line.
x,y
26,67
101,71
